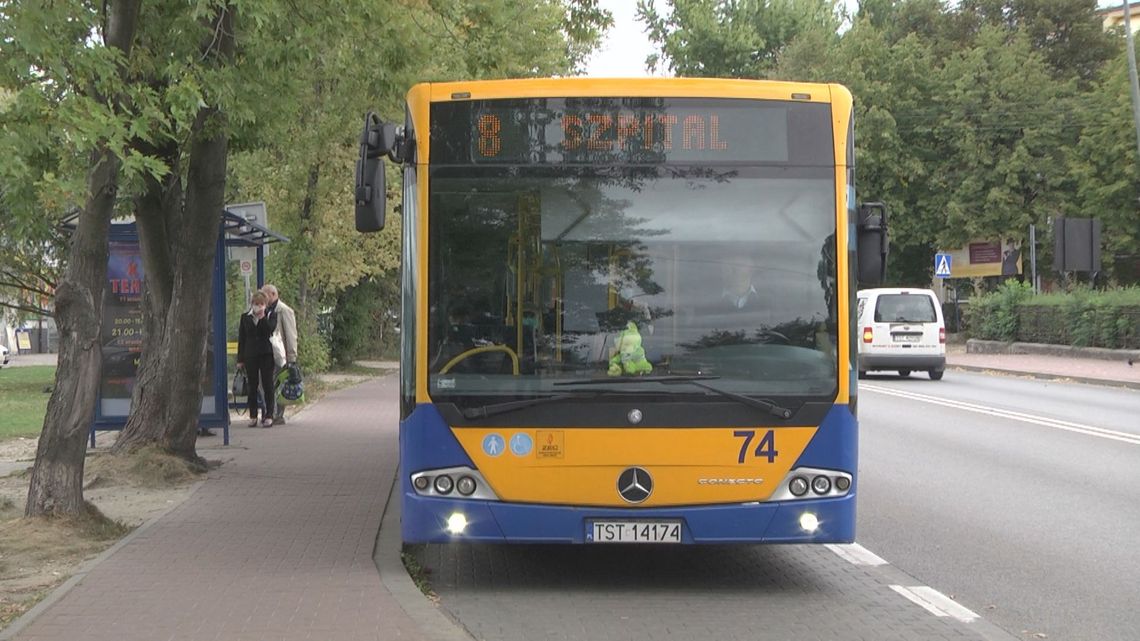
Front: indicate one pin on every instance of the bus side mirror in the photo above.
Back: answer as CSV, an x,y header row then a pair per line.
x,y
872,244
377,140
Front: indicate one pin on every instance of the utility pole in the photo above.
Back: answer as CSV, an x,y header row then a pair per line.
x,y
1133,84
1033,256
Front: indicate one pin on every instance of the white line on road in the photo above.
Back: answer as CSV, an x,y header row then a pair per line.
x,y
1088,430
856,554
936,603
930,599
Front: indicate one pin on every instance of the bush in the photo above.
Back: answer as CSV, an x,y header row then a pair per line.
x,y
351,321
363,320
1081,317
312,347
994,316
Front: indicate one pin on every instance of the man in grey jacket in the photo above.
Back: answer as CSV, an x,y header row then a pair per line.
x,y
287,328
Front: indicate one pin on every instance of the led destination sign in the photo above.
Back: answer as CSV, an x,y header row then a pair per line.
x,y
630,131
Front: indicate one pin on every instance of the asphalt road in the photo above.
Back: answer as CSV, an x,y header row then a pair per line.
x,y
1020,498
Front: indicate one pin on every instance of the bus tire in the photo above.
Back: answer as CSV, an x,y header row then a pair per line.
x,y
903,373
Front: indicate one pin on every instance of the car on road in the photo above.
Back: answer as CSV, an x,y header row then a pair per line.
x,y
901,329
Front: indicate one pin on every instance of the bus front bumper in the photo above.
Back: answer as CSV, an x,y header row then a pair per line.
x,y
426,520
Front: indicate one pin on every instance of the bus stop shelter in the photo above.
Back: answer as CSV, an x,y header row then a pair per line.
x,y
122,332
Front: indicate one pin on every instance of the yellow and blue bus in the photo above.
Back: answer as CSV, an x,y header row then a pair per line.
x,y
627,309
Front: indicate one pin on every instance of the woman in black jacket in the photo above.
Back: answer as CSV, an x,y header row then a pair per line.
x,y
255,355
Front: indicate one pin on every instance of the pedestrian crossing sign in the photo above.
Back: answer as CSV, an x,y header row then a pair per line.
x,y
942,264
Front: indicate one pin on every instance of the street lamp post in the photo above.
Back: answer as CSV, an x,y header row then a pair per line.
x,y
1132,82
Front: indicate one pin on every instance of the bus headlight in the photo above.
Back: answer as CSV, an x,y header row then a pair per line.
x,y
465,485
443,484
810,483
798,486
821,485
456,483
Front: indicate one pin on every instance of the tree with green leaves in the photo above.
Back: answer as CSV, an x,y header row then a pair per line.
x,y
730,38
1067,34
158,97
1106,173
70,62
177,214
289,91
303,168
965,116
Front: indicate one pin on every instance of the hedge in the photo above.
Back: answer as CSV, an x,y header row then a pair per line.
x,y
1082,317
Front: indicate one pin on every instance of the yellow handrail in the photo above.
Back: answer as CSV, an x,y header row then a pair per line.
x,y
482,350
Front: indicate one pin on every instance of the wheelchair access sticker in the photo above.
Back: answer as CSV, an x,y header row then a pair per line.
x,y
521,444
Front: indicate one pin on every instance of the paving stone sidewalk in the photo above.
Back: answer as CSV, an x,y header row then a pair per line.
x,y
276,545
1084,369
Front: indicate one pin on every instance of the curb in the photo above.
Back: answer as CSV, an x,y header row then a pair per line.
x,y
433,622
25,619
979,346
1104,382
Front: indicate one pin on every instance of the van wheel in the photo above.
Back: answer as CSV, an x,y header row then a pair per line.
x,y
904,373
936,374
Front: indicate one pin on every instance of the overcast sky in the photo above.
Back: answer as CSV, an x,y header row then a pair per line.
x,y
623,51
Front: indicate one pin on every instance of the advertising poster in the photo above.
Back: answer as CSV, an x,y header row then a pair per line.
x,y
985,258
122,328
122,334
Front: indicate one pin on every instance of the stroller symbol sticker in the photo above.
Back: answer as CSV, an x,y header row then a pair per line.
x,y
493,444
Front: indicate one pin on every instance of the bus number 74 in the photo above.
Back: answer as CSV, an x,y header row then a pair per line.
x,y
766,447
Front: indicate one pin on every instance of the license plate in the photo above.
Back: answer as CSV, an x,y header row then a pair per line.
x,y
633,531
907,338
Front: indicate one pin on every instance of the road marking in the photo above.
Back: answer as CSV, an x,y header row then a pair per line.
x,y
936,603
856,554
1088,430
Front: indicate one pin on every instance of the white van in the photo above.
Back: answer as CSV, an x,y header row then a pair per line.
x,y
901,329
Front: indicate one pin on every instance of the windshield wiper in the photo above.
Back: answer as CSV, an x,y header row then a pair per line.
x,y
767,406
494,409
485,411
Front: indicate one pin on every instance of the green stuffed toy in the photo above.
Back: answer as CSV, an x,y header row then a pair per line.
x,y
629,358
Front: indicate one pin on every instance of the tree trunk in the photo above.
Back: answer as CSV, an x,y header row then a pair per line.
x,y
56,486
308,232
157,212
181,240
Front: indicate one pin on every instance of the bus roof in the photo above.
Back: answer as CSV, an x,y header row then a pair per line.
x,y
633,87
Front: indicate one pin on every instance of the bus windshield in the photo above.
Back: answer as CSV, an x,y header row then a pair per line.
x,y
545,272
728,273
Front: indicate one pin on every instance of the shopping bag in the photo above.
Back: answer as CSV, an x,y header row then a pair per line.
x,y
290,386
278,348
239,385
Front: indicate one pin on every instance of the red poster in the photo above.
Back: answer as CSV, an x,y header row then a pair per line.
x,y
985,253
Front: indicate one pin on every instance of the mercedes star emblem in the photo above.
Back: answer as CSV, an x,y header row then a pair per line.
x,y
635,485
